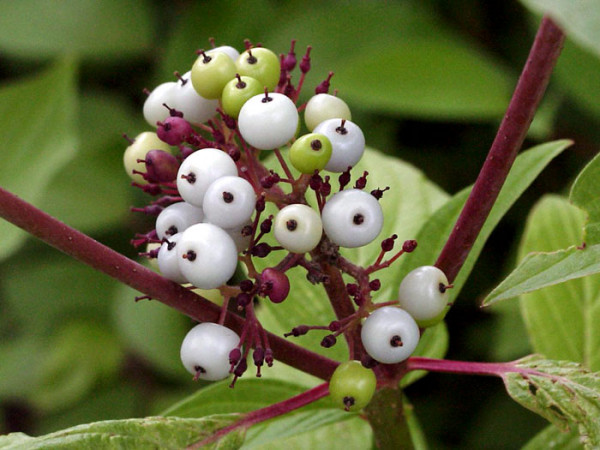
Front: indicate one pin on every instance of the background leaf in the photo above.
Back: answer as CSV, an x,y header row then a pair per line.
x,y
579,18
552,437
586,195
93,29
38,137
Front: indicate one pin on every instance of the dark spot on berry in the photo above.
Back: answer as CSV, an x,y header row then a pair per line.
x,y
266,98
171,245
291,224
240,84
316,144
227,197
358,219
348,402
199,369
442,287
396,341
172,230
342,129
251,59
190,177
190,255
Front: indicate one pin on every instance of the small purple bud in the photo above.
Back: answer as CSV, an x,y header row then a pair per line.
x,y
258,356
246,285
243,300
269,357
328,341
305,63
344,178
352,288
261,250
234,356
161,166
174,130
265,226
335,326
362,181
275,284
388,243
375,285
300,330
323,87
289,61
378,193
260,203
409,246
240,368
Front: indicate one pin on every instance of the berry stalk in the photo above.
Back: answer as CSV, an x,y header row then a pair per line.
x,y
102,258
509,138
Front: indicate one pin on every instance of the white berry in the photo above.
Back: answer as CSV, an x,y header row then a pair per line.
x,y
227,49
298,228
195,108
423,294
268,121
199,170
229,202
390,335
207,255
352,218
168,263
205,351
176,218
347,143
322,107
154,109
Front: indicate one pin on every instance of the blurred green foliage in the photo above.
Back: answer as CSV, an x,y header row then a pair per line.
x,y
427,80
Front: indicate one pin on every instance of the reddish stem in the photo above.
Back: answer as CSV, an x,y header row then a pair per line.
x,y
511,134
112,263
467,367
275,410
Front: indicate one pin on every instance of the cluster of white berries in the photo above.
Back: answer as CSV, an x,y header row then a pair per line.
x,y
220,115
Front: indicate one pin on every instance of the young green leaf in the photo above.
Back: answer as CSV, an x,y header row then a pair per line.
x,y
585,194
150,432
553,437
563,392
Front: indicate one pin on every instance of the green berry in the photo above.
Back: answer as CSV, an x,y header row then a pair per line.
x,y
211,72
322,107
237,92
310,152
262,64
352,386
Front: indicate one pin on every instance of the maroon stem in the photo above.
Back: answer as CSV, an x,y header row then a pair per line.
x,y
112,263
511,134
467,367
269,412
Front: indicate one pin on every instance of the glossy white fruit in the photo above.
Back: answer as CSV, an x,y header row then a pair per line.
x,y
154,109
228,50
268,122
423,294
298,228
199,170
176,218
347,143
390,335
207,255
205,351
195,108
352,218
322,107
229,202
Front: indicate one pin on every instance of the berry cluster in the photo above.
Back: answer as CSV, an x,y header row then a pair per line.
x,y
203,166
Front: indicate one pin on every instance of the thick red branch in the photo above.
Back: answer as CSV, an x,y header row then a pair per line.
x,y
106,260
511,134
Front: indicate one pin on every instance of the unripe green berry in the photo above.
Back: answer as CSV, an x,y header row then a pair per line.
x,y
352,386
262,64
310,152
142,144
211,72
322,107
237,92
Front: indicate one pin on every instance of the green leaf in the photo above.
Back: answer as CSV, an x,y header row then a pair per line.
x,y
38,136
552,437
563,392
586,195
93,29
95,180
561,319
148,433
316,423
248,395
425,69
576,73
433,235
161,347
578,18
540,270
